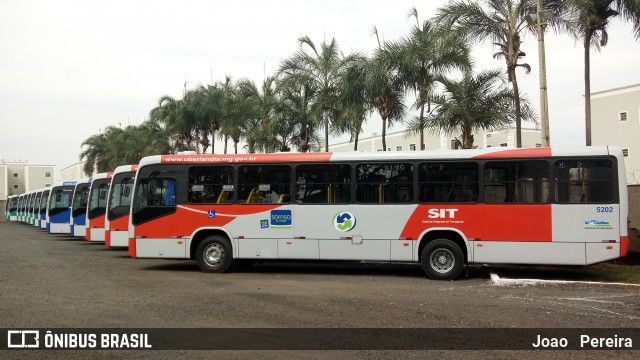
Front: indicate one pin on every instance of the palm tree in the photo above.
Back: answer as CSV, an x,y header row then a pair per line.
x,y
352,100
172,113
258,109
95,147
476,102
384,88
320,68
425,54
500,21
587,20
296,114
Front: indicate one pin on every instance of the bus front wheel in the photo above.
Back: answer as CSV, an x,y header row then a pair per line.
x,y
442,259
213,254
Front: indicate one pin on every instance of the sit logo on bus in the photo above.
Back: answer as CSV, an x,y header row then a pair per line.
x,y
442,213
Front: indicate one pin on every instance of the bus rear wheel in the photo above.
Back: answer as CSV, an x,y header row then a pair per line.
x,y
214,255
442,259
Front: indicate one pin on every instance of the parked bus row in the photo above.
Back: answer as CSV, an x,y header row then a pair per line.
x,y
79,208
442,209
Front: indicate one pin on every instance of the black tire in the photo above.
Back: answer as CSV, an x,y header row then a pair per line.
x,y
442,259
214,254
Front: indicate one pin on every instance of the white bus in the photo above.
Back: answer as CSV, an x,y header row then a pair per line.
x,y
42,209
118,206
11,212
78,217
442,209
59,207
97,206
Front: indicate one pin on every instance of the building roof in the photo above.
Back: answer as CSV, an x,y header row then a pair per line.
x,y
622,88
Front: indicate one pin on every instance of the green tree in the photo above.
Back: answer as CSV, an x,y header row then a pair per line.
x,y
588,20
502,22
258,110
352,100
94,153
321,68
174,115
427,53
296,114
474,103
384,88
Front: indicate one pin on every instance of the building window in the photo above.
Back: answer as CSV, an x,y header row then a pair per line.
x,y
625,152
15,175
488,135
379,150
488,146
622,116
47,185
412,147
399,148
388,149
503,145
15,187
47,174
455,144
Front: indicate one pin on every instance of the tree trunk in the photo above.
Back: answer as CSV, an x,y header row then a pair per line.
x,y
516,94
213,141
384,133
422,127
325,119
226,141
355,141
587,89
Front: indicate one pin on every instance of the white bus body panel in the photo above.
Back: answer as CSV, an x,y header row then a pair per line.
x,y
97,234
161,248
549,253
119,238
59,228
80,230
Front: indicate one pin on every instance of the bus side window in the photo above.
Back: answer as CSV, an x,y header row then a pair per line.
x,y
455,182
584,181
323,184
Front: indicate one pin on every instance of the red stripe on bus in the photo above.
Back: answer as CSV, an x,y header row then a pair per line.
x,y
186,219
516,153
245,158
490,222
107,238
132,248
624,246
120,224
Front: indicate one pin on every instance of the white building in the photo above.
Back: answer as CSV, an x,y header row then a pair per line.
x,y
73,172
18,177
403,141
615,120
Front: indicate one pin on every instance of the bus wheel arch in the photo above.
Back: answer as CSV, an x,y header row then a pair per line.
x,y
442,254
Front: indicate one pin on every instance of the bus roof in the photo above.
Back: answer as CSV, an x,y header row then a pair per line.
x,y
125,168
488,153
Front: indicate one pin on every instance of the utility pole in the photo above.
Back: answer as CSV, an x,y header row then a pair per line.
x,y
544,104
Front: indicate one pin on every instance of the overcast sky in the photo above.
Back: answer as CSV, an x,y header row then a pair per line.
x,y
71,68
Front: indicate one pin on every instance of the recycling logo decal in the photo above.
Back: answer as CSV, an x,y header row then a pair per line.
x,y
344,221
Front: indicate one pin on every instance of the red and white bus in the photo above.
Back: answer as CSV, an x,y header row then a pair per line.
x,y
118,204
97,206
443,209
78,217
